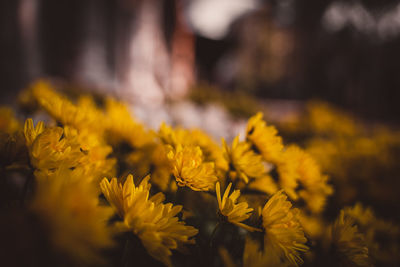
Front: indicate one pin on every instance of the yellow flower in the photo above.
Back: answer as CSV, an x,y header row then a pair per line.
x,y
264,184
121,124
380,236
31,132
362,215
94,157
326,119
8,122
69,209
226,258
296,167
173,137
152,221
253,256
189,168
121,196
288,174
313,225
152,158
349,241
230,210
211,150
283,232
83,115
264,138
243,162
49,148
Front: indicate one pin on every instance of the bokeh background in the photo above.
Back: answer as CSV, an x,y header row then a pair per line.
x,y
345,52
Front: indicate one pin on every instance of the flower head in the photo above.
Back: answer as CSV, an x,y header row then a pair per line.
x,y
264,138
179,136
283,233
68,206
49,148
253,256
326,119
234,212
121,124
31,132
349,241
297,167
82,115
152,221
152,158
189,168
8,121
243,161
264,184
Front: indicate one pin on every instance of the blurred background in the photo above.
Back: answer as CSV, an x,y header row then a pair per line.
x,y
149,51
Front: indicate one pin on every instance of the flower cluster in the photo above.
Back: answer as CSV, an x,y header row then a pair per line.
x,y
155,223
68,191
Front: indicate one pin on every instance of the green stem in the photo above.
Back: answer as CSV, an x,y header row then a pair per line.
x,y
214,232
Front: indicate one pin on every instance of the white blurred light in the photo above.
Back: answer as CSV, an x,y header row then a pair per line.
x,y
341,14
389,25
212,18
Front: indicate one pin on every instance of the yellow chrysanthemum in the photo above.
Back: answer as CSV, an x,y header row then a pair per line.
x,y
297,167
349,241
31,132
121,196
49,148
381,237
211,150
230,210
85,114
190,170
253,256
283,232
95,152
152,221
363,215
173,137
264,138
152,158
8,122
82,115
326,119
313,225
69,209
264,184
244,163
121,124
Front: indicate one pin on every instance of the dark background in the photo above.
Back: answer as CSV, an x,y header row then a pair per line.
x,y
347,67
